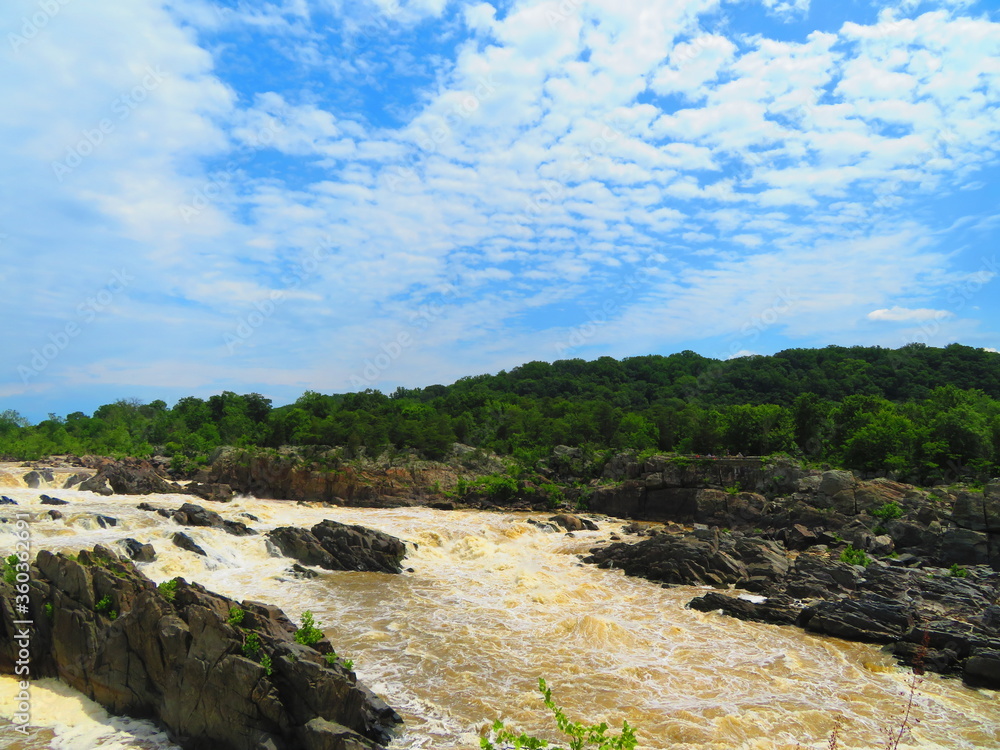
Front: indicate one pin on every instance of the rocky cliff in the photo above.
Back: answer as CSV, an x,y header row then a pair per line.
x,y
177,654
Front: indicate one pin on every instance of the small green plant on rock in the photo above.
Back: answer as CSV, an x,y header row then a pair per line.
x,y
10,568
168,589
265,661
887,511
579,735
48,610
251,645
308,634
958,571
853,556
235,616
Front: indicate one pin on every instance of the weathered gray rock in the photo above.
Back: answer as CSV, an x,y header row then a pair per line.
x,y
179,662
131,477
182,540
669,559
213,492
36,479
871,619
337,546
190,514
778,611
978,511
568,521
138,551
98,484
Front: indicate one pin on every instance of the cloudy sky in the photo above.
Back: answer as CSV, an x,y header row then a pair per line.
x,y
340,194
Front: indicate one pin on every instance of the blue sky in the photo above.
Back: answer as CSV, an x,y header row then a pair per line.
x,y
333,195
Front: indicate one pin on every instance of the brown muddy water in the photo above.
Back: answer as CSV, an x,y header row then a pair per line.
x,y
494,603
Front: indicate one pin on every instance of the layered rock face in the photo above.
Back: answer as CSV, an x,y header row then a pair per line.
x,y
337,546
178,657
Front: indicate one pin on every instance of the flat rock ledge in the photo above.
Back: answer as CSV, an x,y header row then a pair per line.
x,y
106,630
337,546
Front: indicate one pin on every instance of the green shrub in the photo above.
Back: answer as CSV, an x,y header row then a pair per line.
x,y
104,605
579,735
887,511
48,610
497,487
554,496
168,589
265,661
308,634
10,568
235,616
958,571
734,490
251,645
854,556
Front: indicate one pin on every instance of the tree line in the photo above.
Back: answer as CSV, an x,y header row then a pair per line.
x,y
924,413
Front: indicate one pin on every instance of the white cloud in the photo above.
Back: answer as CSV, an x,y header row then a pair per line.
x,y
907,315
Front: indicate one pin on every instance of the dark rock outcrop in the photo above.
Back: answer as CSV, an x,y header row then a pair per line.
x,y
337,546
182,540
882,602
47,500
4,500
131,476
138,551
779,611
37,478
173,657
190,514
871,619
213,492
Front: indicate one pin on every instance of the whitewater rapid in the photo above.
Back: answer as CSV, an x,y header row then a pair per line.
x,y
490,604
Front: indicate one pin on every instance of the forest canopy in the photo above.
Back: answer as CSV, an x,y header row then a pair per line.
x,y
922,412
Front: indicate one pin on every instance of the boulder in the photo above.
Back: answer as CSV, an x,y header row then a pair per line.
x,y
799,537
779,611
98,484
983,669
130,476
175,659
213,492
337,546
978,511
106,521
669,559
190,514
568,522
46,500
834,482
75,479
36,479
55,515
871,619
4,500
182,540
140,552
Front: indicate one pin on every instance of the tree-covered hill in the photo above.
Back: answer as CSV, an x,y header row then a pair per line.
x,y
928,413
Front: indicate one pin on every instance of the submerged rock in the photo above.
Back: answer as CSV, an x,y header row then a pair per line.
x,y
173,657
337,546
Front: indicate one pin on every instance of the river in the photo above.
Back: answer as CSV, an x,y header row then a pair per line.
x,y
490,604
